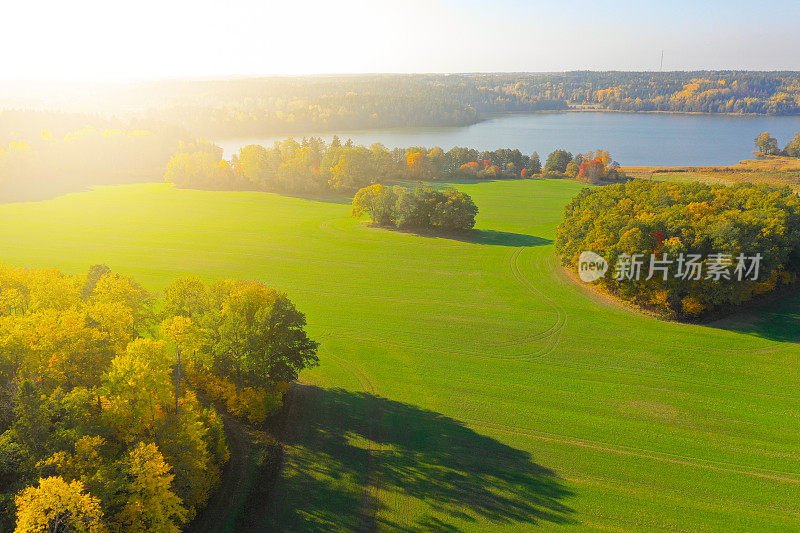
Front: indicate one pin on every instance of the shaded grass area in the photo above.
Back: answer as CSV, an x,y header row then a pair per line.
x,y
248,479
420,454
777,319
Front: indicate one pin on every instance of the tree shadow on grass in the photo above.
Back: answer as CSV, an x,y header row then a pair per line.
x,y
435,472
776,318
503,238
479,236
326,198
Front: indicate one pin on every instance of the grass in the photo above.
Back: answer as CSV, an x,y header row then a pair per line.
x,y
783,171
467,384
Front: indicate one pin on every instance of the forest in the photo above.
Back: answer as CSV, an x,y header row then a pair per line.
x,y
101,424
705,231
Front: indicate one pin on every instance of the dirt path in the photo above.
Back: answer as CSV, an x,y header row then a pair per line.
x,y
227,505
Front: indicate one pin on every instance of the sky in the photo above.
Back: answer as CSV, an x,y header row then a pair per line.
x,y
89,40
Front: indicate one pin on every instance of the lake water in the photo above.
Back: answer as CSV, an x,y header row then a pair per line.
x,y
633,139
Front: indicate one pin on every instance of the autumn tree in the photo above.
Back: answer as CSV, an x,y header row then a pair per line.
x,y
766,144
186,296
56,506
377,200
148,505
793,147
138,388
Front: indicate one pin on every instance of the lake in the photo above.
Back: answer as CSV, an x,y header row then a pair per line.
x,y
633,138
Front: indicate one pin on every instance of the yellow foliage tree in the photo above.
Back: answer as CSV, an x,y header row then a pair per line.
x,y
56,506
149,506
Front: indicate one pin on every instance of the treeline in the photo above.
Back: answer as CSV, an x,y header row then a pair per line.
x,y
767,145
766,93
273,106
715,247
46,165
421,208
311,165
98,429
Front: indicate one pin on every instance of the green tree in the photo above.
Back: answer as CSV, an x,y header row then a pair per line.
x,y
535,164
260,335
456,212
557,161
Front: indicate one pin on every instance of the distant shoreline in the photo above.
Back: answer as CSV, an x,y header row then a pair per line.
x,y
652,112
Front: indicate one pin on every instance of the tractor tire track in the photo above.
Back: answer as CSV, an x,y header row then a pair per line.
x,y
370,498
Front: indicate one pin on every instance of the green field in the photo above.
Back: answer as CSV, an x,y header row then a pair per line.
x,y
468,384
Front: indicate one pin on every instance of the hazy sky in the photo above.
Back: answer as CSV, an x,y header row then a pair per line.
x,y
118,39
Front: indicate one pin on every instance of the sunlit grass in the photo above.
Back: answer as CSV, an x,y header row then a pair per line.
x,y
466,367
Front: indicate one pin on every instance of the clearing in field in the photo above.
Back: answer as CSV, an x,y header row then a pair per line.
x,y
468,384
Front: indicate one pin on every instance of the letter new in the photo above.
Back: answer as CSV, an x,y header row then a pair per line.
x,y
591,267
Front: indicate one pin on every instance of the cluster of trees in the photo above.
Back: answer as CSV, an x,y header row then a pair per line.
x,y
419,208
47,164
311,165
674,220
766,145
98,430
595,167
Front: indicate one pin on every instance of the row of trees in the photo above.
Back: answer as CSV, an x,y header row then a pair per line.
x,y
707,224
48,165
766,145
98,430
311,165
419,208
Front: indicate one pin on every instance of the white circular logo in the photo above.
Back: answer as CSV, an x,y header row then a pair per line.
x,y
591,267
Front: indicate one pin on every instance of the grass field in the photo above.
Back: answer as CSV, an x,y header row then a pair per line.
x,y
468,384
781,171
